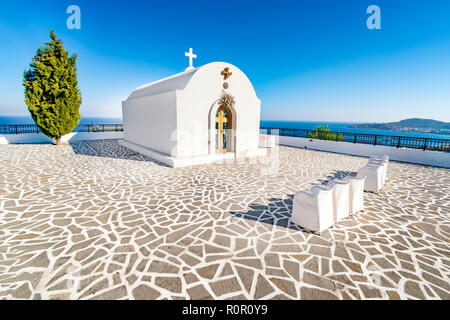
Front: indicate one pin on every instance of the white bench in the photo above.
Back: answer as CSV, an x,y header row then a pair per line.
x,y
341,196
266,141
313,210
374,177
356,195
384,164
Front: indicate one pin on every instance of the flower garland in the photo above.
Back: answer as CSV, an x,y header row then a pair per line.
x,y
227,100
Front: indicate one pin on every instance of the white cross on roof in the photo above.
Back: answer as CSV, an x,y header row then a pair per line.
x,y
191,56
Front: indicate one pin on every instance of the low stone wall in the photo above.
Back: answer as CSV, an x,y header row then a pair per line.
x,y
39,138
432,158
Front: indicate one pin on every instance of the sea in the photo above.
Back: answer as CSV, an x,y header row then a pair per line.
x,y
83,120
309,125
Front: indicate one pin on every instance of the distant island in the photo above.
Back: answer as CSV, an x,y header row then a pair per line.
x,y
410,125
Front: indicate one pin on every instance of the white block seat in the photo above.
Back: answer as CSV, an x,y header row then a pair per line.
x,y
376,161
313,210
383,157
384,164
266,141
374,177
341,197
356,195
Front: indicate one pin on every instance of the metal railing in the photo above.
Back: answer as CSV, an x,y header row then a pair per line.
x,y
366,138
32,128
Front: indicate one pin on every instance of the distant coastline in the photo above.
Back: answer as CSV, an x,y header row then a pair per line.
x,y
352,127
417,125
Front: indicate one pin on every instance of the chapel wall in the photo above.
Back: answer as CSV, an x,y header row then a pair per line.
x,y
151,122
197,105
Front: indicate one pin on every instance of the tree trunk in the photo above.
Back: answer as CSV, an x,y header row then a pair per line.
x,y
58,141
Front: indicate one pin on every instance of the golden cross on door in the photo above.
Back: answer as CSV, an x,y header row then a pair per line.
x,y
226,73
222,125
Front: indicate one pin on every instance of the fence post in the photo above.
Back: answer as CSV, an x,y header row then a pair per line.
x,y
425,144
17,130
356,138
375,142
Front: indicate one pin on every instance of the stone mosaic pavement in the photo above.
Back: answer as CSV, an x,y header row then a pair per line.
x,y
96,221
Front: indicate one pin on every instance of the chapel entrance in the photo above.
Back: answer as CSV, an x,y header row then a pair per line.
x,y
224,125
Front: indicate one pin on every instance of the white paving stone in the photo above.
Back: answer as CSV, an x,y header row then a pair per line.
x,y
94,220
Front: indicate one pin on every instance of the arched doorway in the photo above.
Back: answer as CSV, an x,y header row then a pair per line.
x,y
224,132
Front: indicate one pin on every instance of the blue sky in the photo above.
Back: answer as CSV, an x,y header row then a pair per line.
x,y
308,60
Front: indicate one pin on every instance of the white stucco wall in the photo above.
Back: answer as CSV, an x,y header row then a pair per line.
x,y
433,158
150,121
38,138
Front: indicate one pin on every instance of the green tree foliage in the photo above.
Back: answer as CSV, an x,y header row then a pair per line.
x,y
51,89
325,134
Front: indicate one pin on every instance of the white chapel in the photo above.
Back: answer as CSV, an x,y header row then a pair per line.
x,y
198,116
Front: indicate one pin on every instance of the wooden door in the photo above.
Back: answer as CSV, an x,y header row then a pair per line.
x,y
223,123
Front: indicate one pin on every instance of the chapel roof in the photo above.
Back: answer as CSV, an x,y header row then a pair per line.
x,y
175,82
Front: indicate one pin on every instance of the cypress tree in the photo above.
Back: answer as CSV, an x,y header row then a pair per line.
x,y
51,90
